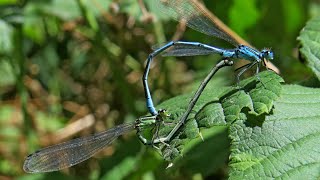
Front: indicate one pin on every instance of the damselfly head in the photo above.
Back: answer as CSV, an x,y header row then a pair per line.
x,y
267,54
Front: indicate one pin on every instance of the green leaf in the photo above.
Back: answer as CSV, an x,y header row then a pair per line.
x,y
36,34
63,10
220,106
6,113
6,37
89,14
285,145
66,10
274,133
310,42
7,76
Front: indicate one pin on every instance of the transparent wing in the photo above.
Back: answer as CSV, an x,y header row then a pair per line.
x,y
69,153
184,50
195,16
187,50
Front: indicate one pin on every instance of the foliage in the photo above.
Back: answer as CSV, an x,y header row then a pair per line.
x,y
283,146
255,98
310,41
72,68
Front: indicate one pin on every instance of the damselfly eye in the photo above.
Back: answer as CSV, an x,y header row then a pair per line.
x,y
267,54
270,55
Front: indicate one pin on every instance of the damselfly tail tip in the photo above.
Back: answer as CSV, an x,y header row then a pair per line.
x,y
169,165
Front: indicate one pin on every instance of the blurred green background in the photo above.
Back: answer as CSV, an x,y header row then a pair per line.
x,y
69,68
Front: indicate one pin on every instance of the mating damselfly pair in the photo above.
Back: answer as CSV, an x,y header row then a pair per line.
x,y
75,151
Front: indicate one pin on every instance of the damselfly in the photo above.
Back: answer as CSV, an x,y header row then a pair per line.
x,y
197,18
